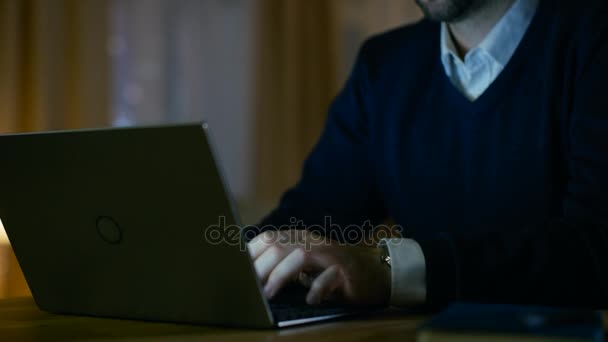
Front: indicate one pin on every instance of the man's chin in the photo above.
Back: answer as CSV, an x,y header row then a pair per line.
x,y
445,10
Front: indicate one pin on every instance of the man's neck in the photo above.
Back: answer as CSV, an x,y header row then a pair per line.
x,y
469,32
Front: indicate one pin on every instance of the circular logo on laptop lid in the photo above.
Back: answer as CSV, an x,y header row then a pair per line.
x,y
109,230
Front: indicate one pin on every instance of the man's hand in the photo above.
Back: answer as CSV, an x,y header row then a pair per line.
x,y
354,274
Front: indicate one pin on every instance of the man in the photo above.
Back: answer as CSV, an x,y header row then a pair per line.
x,y
482,131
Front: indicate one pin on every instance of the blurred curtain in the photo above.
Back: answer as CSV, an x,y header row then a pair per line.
x,y
296,78
53,64
53,75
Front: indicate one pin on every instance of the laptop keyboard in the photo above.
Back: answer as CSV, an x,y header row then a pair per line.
x,y
288,312
290,304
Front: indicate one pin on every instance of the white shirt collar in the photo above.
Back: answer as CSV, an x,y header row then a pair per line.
x,y
503,39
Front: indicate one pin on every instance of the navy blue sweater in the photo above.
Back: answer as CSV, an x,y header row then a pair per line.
x,y
507,195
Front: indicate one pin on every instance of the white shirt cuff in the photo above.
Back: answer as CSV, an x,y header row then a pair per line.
x,y
408,272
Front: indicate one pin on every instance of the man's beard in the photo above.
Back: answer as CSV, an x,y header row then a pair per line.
x,y
449,10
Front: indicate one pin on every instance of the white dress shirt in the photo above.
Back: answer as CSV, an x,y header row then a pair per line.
x,y
484,63
472,77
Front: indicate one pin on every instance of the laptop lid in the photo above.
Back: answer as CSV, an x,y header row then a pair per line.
x,y
128,223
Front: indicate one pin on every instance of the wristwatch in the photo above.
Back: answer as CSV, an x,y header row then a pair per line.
x,y
385,257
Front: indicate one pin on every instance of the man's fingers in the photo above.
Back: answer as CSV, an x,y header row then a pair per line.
x,y
305,279
261,243
324,285
264,265
256,249
285,271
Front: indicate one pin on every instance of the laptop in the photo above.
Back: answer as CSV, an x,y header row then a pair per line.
x,y
134,223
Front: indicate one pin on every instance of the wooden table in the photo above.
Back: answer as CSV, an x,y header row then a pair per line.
x,y
21,320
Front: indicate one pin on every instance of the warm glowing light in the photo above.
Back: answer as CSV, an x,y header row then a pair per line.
x,y
3,237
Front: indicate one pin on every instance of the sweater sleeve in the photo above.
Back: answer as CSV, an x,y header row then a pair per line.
x,y
337,187
556,261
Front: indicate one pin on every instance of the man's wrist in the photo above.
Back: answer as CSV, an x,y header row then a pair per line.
x,y
408,271
385,256
383,275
